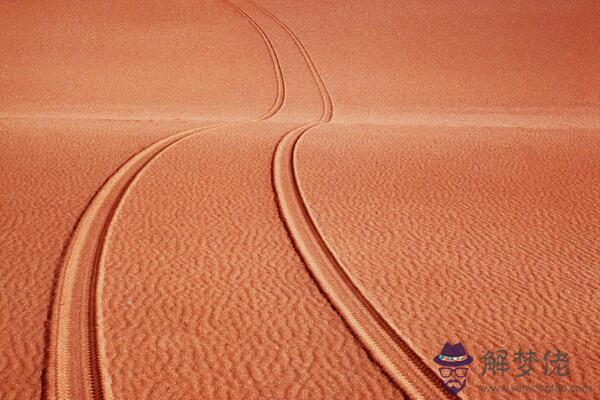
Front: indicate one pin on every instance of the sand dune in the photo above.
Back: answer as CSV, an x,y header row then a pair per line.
x,y
150,62
75,345
497,240
50,184
449,56
253,318
296,200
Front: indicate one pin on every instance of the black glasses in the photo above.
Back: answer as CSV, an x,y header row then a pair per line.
x,y
459,372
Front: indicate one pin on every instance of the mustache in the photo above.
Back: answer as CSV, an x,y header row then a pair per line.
x,y
454,381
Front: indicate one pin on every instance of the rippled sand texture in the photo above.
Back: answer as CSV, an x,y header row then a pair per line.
x,y
486,236
295,200
209,294
49,174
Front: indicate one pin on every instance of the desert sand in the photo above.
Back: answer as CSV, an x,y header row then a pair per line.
x,y
298,200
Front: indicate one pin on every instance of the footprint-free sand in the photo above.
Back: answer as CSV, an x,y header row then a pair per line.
x,y
298,200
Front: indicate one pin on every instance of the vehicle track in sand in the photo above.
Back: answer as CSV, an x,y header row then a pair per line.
x,y
75,357
274,59
381,339
327,104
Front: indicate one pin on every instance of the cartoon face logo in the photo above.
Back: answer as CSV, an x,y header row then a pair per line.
x,y
453,361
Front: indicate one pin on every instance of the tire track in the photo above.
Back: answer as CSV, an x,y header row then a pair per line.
x,y
381,339
378,335
327,104
274,59
76,361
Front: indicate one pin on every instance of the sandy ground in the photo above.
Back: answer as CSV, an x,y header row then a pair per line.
x,y
297,200
499,240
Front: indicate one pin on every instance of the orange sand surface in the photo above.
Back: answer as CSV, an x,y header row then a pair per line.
x,y
298,200
487,236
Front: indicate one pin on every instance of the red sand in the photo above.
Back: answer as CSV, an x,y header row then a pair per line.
x,y
484,236
296,199
51,169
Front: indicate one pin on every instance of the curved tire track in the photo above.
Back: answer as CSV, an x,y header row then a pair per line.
x,y
327,110
379,336
274,59
389,349
75,359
